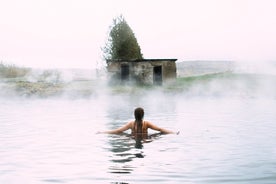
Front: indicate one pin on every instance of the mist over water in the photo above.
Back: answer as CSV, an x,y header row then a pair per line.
x,y
226,119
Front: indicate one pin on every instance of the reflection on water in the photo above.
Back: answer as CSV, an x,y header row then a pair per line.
x,y
125,148
123,151
222,139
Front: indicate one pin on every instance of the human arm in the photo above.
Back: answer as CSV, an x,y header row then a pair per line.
x,y
118,130
162,130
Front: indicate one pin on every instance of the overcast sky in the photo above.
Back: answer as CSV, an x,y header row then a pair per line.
x,y
70,33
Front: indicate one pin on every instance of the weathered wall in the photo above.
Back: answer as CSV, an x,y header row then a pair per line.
x,y
169,71
142,71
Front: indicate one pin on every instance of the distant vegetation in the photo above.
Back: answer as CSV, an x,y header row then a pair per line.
x,y
122,43
27,82
12,71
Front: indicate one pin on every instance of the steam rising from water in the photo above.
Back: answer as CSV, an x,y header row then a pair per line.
x,y
221,127
195,79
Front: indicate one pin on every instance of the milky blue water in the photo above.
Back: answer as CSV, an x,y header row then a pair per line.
x,y
223,138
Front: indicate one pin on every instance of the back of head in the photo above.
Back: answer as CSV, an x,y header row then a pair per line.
x,y
139,114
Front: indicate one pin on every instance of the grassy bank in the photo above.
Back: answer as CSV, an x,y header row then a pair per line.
x,y
49,83
12,71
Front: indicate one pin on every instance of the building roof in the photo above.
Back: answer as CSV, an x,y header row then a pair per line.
x,y
139,60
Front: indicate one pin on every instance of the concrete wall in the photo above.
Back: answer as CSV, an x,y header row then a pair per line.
x,y
141,71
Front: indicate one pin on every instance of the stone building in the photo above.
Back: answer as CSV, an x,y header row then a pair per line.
x,y
142,71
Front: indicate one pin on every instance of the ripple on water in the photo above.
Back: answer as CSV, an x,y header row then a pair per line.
x,y
221,140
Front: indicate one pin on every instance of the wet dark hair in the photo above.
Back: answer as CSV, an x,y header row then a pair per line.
x,y
139,115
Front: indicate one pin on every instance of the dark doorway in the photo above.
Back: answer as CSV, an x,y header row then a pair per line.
x,y
157,75
124,72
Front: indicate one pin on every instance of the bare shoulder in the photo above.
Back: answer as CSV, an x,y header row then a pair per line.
x,y
130,124
148,123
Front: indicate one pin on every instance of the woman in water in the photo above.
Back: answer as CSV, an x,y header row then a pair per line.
x,y
139,127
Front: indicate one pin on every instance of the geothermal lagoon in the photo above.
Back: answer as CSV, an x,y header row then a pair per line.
x,y
226,118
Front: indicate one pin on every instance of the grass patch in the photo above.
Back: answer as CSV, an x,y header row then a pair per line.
x,y
41,89
12,71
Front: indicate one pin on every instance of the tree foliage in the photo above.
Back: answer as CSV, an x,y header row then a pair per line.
x,y
122,43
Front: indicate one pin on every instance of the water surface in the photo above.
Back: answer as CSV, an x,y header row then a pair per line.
x,y
223,138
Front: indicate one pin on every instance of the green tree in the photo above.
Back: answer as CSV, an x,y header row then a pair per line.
x,y
122,43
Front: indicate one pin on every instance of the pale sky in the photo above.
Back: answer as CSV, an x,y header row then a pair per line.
x,y
70,33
